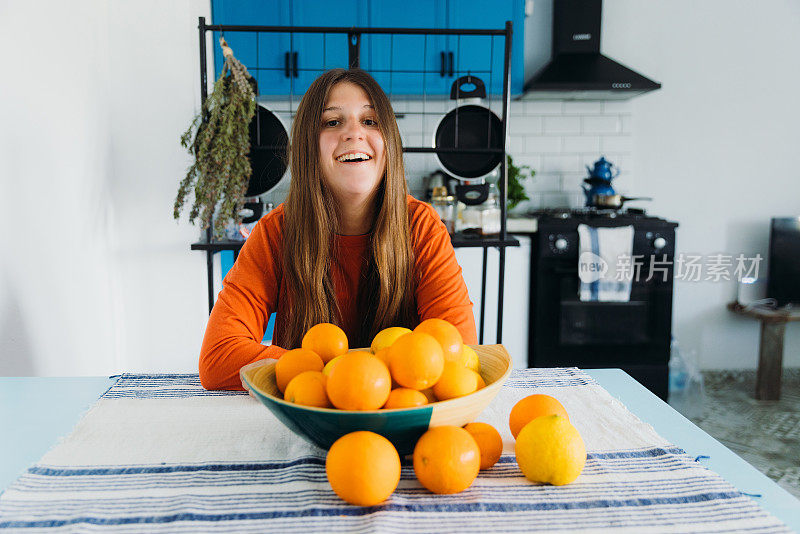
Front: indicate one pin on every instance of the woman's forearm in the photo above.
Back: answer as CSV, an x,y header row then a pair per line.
x,y
222,357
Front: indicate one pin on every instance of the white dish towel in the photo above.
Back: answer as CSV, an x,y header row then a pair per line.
x,y
605,265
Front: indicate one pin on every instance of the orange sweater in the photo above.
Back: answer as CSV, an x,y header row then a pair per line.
x,y
254,288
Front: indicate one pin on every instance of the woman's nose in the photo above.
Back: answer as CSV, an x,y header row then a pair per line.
x,y
353,130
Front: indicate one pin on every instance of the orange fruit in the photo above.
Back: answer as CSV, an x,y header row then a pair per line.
x,y
308,389
405,398
383,354
363,468
456,381
489,442
327,340
416,360
359,381
446,459
294,362
531,407
387,336
429,395
445,334
550,450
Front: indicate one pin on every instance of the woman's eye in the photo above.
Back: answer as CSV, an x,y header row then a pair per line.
x,y
331,123
370,122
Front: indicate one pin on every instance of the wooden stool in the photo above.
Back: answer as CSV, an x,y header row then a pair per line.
x,y
770,350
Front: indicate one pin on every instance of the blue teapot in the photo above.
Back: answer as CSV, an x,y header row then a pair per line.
x,y
599,180
603,169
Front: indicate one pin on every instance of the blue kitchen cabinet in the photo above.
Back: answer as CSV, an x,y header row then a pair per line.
x,y
444,57
402,64
483,55
264,54
318,52
407,64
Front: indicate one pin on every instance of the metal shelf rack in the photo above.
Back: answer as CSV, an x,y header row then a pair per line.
x,y
354,34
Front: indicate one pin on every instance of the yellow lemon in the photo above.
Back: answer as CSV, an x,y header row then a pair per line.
x,y
470,359
328,366
550,450
387,336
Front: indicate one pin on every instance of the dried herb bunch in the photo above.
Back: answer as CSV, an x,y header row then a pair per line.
x,y
219,140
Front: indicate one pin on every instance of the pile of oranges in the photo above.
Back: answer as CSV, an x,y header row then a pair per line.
x,y
363,467
402,369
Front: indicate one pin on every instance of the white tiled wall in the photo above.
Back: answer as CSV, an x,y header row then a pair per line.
x,y
556,138
559,138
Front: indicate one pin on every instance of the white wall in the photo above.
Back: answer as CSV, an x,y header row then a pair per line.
x,y
97,278
717,145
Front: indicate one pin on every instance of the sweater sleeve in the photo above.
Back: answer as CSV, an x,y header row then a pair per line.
x,y
239,318
441,290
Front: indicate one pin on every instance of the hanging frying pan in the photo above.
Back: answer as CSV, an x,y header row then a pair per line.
x,y
469,126
268,148
268,142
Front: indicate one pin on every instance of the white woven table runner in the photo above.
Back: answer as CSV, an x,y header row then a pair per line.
x,y
158,453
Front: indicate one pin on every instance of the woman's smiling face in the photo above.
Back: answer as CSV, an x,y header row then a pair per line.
x,y
351,147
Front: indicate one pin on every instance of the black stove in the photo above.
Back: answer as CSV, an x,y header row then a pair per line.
x,y
590,213
633,335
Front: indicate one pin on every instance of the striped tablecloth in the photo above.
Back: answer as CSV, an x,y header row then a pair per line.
x,y
159,453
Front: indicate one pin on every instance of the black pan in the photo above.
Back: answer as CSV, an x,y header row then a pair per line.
x,y
469,126
268,143
613,201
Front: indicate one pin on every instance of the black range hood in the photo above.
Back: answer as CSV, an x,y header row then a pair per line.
x,y
577,70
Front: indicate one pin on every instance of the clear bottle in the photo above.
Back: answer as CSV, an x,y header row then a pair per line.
x,y
686,384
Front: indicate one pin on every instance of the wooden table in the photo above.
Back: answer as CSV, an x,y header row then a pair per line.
x,y
770,350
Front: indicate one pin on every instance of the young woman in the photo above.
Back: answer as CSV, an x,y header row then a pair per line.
x,y
349,246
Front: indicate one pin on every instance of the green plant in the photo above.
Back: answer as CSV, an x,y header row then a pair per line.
x,y
517,175
219,140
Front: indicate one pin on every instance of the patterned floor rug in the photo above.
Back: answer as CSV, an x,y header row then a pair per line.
x,y
766,434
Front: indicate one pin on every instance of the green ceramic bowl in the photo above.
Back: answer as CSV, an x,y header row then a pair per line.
x,y
403,427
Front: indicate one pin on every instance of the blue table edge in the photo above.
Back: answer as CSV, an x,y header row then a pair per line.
x,y
78,394
680,431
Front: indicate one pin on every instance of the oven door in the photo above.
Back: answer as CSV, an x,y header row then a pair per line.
x,y
569,332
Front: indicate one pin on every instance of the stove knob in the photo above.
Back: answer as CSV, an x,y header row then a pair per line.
x,y
659,243
561,244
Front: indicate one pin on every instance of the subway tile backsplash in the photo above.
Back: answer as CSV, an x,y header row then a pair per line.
x,y
556,138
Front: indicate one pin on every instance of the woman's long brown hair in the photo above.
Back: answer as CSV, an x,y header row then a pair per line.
x,y
386,296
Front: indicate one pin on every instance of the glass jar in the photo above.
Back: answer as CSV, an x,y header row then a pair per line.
x,y
445,206
471,219
490,213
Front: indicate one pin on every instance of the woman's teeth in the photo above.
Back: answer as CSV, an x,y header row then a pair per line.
x,y
357,156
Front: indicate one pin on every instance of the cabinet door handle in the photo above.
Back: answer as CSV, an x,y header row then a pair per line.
x,y
443,68
294,64
451,63
287,66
